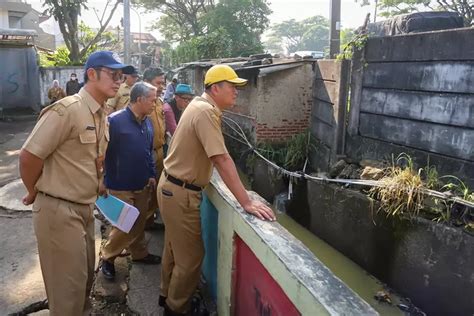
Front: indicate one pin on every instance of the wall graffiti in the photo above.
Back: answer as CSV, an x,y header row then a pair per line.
x,y
13,83
19,78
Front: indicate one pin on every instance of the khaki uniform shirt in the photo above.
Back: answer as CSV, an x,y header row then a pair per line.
x,y
55,94
197,138
121,99
67,138
158,120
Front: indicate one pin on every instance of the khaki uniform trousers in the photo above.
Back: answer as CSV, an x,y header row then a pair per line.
x,y
66,245
134,241
183,248
153,205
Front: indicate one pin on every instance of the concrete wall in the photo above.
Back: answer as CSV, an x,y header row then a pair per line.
x,y
415,92
19,78
274,105
4,19
328,114
44,40
62,74
428,262
309,285
284,102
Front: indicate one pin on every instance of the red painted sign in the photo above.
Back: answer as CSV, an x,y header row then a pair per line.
x,y
255,290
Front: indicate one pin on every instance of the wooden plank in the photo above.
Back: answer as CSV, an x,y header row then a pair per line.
x,y
457,77
324,111
328,69
450,109
326,91
447,140
455,44
357,75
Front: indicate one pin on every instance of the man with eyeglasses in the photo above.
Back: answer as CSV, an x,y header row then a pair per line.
x,y
130,175
61,166
175,107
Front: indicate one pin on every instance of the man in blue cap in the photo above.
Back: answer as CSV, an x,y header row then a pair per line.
x,y
61,166
175,107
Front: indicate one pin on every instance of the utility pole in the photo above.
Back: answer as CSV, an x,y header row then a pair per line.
x,y
139,39
126,31
335,30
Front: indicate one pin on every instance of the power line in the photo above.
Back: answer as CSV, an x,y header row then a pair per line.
x,y
302,175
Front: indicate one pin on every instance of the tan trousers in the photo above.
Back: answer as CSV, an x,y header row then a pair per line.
x,y
153,205
65,235
183,248
134,241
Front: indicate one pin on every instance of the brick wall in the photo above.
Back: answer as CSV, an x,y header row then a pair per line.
x,y
285,129
284,103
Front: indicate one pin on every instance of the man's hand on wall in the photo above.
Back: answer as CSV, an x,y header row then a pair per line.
x,y
260,210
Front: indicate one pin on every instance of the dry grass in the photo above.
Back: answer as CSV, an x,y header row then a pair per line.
x,y
400,193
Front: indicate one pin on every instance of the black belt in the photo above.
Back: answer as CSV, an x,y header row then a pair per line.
x,y
183,184
54,197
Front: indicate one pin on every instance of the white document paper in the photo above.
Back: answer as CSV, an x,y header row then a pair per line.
x,y
120,214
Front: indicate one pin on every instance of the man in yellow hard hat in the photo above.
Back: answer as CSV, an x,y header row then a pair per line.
x,y
198,135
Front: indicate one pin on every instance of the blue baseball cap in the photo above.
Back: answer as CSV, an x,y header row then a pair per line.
x,y
183,89
108,59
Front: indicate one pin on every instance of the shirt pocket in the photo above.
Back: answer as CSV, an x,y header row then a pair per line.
x,y
88,137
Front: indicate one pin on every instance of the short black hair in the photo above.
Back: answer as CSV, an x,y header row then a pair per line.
x,y
208,87
152,72
97,69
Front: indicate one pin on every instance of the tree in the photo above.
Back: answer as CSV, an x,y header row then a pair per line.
x,y
207,29
309,34
243,20
66,13
181,19
61,56
346,36
388,8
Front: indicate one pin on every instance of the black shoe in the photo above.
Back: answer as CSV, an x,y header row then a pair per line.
x,y
155,226
162,301
149,259
169,312
108,270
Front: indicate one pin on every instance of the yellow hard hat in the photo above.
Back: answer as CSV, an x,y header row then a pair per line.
x,y
220,73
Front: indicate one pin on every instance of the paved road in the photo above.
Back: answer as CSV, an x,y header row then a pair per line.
x,y
21,283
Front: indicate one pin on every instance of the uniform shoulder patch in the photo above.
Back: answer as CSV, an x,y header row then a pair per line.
x,y
61,105
67,101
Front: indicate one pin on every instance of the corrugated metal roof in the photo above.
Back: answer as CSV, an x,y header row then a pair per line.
x,y
279,65
17,32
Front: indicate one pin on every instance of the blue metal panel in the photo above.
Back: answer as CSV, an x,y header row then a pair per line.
x,y
209,223
19,78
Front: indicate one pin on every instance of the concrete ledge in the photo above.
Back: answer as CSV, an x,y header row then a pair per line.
x,y
308,283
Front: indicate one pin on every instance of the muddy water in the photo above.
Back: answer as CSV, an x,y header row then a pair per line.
x,y
362,283
365,285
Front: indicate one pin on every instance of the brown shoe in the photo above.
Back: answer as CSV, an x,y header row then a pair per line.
x,y
149,259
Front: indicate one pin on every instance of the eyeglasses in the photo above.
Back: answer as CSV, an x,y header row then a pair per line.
x,y
114,75
187,99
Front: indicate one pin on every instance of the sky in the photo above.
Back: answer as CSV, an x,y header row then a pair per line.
x,y
352,14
